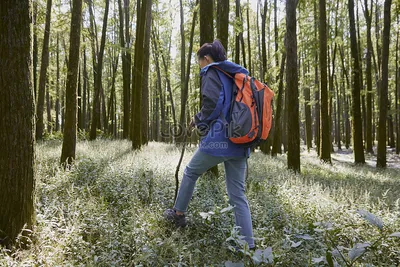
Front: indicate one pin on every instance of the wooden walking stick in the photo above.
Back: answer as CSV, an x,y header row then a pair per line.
x,y
187,132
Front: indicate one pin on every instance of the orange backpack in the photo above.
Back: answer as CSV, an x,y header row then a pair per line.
x,y
250,111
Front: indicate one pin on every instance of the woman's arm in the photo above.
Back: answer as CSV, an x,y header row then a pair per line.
x,y
213,98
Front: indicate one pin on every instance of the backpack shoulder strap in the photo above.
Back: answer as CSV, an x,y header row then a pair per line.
x,y
222,117
227,74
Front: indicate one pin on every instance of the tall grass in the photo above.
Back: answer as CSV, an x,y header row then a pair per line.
x,y
107,211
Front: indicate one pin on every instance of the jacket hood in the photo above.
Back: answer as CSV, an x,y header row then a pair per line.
x,y
227,66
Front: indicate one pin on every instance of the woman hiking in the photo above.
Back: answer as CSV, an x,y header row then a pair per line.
x,y
215,146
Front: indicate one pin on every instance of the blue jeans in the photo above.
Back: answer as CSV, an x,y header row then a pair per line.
x,y
235,172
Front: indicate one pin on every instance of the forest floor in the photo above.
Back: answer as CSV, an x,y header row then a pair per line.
x,y
107,211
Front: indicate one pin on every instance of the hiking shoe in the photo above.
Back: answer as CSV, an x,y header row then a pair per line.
x,y
179,220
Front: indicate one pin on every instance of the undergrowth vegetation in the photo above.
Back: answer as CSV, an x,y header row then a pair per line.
x,y
107,211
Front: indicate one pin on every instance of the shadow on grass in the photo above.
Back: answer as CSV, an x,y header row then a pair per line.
x,y
88,169
392,159
358,183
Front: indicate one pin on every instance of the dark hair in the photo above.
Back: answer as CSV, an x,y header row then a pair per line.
x,y
215,49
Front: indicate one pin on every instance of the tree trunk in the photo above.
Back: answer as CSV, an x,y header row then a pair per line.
x,y
277,143
93,33
103,121
17,154
381,156
377,69
43,75
145,87
89,117
307,110
293,129
126,63
391,141
265,146
152,113
356,89
263,41
269,61
258,41
397,97
285,122
363,107
344,114
187,73
331,74
345,102
317,108
115,121
58,86
85,87
276,35
111,109
248,37
35,48
183,60
62,105
377,39
98,77
207,36
137,82
369,140
338,110
79,99
206,21
160,95
127,89
348,124
184,90
48,110
269,43
237,34
223,22
241,39
69,140
325,142
93,45
377,65
156,135
169,88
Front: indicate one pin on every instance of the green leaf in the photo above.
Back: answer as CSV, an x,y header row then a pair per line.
x,y
233,264
227,209
205,215
305,237
371,218
318,260
295,245
358,250
397,234
265,256
329,258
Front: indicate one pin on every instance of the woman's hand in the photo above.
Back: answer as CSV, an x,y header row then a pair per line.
x,y
192,124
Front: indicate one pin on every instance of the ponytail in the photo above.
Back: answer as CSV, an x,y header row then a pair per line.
x,y
218,51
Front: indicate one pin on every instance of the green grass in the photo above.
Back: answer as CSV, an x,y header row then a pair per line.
x,y
107,211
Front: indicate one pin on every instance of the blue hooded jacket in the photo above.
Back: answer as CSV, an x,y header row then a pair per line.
x,y
216,91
